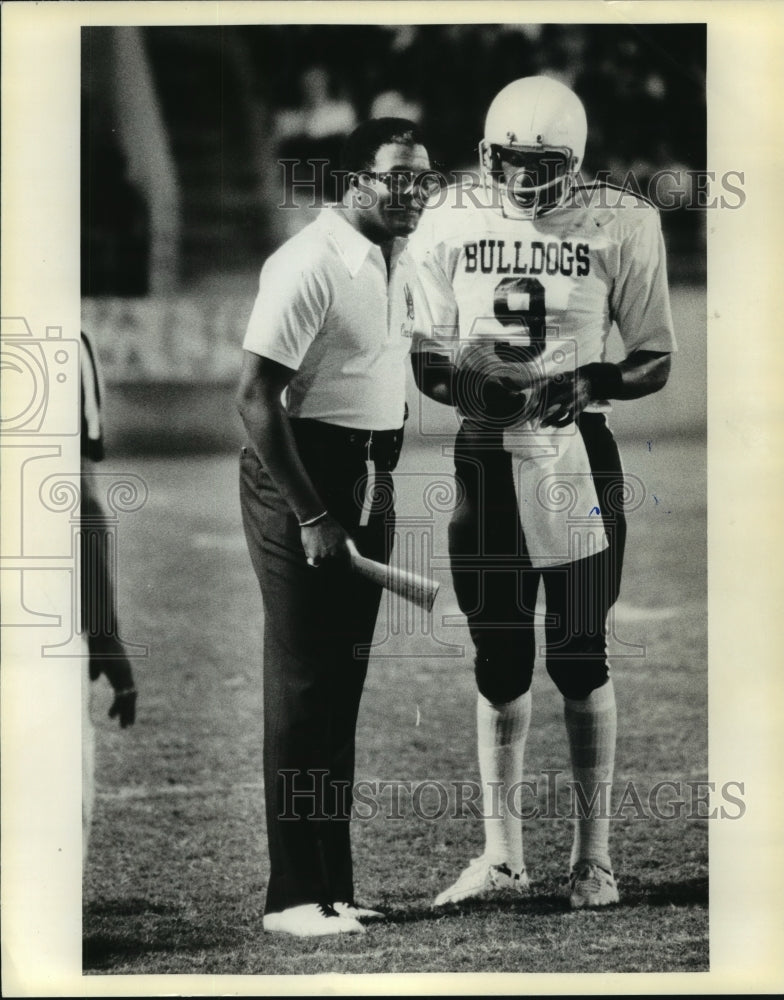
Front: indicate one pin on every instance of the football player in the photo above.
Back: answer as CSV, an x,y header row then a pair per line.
x,y
525,276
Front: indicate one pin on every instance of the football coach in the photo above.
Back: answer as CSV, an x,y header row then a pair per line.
x,y
322,397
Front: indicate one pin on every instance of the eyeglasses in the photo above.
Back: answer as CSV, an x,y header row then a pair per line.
x,y
423,184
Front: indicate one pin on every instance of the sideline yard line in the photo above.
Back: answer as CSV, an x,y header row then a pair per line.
x,y
176,791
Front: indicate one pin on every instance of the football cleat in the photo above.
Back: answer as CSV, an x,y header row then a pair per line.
x,y
481,878
590,885
310,920
357,912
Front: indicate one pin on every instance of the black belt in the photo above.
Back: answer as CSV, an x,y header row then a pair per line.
x,y
381,447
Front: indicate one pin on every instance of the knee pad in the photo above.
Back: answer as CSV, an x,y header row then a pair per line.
x,y
501,679
579,671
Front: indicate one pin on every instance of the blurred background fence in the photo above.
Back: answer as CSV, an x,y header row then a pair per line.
x,y
184,129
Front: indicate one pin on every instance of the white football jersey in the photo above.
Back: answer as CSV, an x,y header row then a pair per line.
x,y
551,288
553,285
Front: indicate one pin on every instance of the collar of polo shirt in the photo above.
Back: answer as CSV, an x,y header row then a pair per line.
x,y
352,245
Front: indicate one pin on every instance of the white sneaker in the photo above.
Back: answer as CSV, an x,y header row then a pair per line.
x,y
480,878
591,885
358,912
310,920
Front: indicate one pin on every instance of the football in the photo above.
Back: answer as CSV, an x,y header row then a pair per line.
x,y
496,382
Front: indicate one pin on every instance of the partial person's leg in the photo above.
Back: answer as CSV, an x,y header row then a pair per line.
x,y
298,671
579,597
88,752
496,590
351,646
98,600
312,685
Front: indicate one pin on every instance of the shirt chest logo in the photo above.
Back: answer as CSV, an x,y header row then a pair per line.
x,y
409,302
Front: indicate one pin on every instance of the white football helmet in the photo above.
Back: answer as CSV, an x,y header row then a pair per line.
x,y
534,143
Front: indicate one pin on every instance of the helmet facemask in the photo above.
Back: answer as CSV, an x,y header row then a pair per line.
x,y
529,180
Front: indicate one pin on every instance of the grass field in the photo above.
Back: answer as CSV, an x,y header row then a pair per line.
x,y
176,875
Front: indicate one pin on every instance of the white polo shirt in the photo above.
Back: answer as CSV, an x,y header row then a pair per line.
x,y
326,309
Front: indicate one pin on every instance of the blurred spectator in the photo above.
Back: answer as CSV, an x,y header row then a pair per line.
x,y
316,128
392,104
322,113
115,253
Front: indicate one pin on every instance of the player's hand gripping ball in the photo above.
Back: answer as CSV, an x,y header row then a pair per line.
x,y
494,384
564,398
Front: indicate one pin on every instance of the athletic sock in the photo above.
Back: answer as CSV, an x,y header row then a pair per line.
x,y
501,736
591,726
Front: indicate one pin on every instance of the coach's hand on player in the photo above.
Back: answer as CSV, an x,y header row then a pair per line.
x,y
325,541
565,398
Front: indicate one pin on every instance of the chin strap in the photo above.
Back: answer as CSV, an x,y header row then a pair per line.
x,y
512,210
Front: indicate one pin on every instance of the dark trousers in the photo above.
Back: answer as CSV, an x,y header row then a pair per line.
x,y
316,623
497,586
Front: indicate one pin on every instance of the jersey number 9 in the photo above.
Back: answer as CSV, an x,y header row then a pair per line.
x,y
520,301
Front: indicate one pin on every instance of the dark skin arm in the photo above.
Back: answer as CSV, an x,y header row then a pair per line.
x,y
434,375
640,374
261,385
